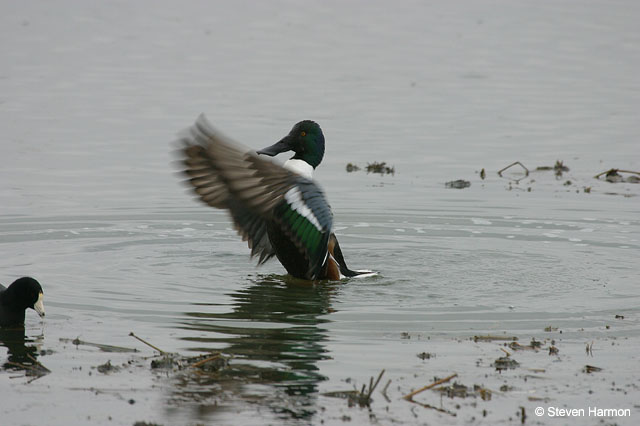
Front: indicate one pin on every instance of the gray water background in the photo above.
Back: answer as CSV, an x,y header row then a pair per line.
x,y
92,94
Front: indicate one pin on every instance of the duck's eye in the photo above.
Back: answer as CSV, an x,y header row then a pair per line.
x,y
303,134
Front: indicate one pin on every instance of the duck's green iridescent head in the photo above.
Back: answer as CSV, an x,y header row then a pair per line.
x,y
305,139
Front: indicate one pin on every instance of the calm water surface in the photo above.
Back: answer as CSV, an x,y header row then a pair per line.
x,y
92,95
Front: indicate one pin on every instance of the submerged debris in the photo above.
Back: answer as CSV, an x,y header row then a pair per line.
x,y
482,174
458,184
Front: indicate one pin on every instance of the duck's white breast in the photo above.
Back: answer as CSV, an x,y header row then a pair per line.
x,y
300,167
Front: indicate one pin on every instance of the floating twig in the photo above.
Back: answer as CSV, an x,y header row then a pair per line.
x,y
505,351
441,410
147,343
410,396
105,348
372,388
204,361
489,338
511,165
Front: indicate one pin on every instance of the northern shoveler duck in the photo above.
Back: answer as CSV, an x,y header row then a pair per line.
x,y
279,210
23,293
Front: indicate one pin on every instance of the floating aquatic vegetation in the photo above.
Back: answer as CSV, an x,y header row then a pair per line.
x,y
426,355
381,168
352,168
210,362
505,363
614,176
107,368
534,345
360,397
375,167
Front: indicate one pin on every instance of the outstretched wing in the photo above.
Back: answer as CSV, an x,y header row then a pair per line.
x,y
257,193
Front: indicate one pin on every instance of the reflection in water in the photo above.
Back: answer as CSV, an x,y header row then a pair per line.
x,y
274,337
14,340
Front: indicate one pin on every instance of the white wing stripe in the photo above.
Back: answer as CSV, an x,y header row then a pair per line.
x,y
294,198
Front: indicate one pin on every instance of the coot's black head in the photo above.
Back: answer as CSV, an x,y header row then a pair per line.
x,y
26,292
